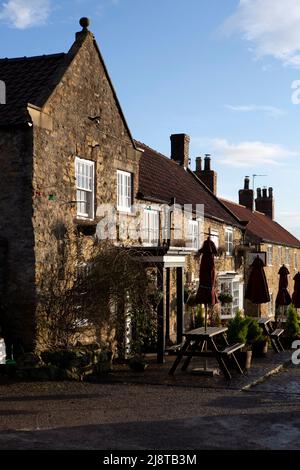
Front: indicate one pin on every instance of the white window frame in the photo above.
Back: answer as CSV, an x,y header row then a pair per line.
x,y
229,230
214,236
193,234
270,255
124,191
287,256
85,188
235,287
150,232
295,260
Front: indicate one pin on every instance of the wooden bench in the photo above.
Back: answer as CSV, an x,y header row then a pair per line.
x,y
173,350
275,337
266,326
232,349
228,353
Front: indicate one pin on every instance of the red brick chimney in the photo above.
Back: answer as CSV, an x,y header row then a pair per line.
x,y
265,202
180,149
207,175
246,195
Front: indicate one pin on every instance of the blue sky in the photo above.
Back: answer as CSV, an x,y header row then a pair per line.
x,y
220,71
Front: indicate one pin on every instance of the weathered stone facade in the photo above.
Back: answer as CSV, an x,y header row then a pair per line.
x,y
38,172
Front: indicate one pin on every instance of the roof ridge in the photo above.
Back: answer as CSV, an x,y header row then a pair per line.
x,y
158,154
243,206
43,56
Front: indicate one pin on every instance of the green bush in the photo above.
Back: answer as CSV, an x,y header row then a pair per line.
x,y
237,329
255,333
292,328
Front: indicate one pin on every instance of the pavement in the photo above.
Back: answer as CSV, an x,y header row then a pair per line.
x,y
134,416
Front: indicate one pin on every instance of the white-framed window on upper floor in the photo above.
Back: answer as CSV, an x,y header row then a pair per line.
x,y
214,236
124,191
287,257
150,229
193,234
295,260
229,241
85,187
270,255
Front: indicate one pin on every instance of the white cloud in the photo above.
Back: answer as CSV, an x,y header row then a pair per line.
x,y
246,154
24,14
270,111
271,26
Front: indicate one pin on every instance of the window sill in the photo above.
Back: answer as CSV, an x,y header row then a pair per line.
x,y
85,221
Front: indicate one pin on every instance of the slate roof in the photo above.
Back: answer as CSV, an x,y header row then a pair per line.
x,y
261,228
28,80
162,179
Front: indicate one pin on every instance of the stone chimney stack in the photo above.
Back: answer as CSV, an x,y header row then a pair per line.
x,y
265,202
180,149
246,195
207,175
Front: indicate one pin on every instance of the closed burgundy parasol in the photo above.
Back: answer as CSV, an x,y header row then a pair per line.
x,y
206,293
296,293
257,288
283,297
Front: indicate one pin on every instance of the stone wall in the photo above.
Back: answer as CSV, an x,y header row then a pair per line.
x,y
83,92
17,239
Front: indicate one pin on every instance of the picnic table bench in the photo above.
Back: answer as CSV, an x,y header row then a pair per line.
x,y
274,335
194,345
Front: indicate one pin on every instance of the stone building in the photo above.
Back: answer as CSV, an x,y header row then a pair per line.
x,y
67,157
167,181
64,145
264,235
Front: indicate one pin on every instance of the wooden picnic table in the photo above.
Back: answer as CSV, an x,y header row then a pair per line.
x,y
194,345
273,334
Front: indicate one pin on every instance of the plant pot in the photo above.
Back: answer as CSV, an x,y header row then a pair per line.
x,y
244,358
260,348
137,365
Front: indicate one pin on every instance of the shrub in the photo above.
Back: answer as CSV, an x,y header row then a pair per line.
x,y
292,328
255,333
237,329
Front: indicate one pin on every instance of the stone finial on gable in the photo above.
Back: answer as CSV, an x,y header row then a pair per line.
x,y
84,23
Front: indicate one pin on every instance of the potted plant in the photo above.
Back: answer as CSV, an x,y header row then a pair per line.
x,y
238,333
225,298
292,328
256,338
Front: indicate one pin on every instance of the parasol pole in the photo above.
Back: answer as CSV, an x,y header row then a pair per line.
x,y
205,318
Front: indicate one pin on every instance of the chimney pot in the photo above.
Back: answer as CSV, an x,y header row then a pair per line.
x,y
198,164
265,202
207,161
247,183
246,195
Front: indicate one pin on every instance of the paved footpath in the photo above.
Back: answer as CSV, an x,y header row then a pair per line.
x,y
129,417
